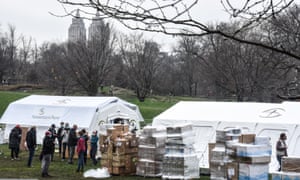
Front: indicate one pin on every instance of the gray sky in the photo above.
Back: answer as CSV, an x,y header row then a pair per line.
x,y
32,18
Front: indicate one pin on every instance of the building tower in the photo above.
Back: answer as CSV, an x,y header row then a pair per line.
x,y
96,28
77,31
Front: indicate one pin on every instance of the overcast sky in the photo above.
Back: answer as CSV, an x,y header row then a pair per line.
x,y
32,19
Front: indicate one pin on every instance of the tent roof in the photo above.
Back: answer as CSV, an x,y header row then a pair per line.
x,y
46,110
286,112
74,101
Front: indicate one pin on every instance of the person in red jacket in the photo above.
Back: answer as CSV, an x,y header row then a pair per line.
x,y
80,151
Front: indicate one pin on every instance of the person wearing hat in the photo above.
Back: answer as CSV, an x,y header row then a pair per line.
x,y
14,141
281,148
47,149
31,144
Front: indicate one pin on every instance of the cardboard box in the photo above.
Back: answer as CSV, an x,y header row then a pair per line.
x,y
247,138
133,142
23,138
251,150
118,170
126,128
102,140
211,146
106,163
118,163
254,159
290,164
276,175
107,155
119,127
232,171
254,171
290,176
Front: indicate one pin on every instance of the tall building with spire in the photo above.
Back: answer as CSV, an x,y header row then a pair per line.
x,y
77,31
96,27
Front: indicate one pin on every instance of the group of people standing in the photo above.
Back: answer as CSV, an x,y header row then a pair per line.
x,y
69,140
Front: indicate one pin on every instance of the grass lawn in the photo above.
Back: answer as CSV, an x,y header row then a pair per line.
x,y
59,169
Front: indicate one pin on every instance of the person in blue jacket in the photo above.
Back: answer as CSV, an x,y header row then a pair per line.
x,y
94,147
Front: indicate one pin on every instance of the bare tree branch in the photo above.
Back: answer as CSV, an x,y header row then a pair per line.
x,y
174,17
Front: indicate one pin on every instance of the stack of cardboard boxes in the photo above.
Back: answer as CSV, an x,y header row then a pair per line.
x,y
240,156
180,160
222,166
151,151
119,150
290,167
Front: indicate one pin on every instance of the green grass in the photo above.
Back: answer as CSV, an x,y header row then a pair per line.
x,y
18,169
8,97
59,169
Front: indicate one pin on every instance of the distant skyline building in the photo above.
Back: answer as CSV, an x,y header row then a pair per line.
x,y
96,27
77,30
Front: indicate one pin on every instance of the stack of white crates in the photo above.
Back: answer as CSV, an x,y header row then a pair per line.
x,y
180,160
254,159
222,166
238,156
290,169
151,151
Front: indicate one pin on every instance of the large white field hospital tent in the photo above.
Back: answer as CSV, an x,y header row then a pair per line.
x,y
263,119
86,112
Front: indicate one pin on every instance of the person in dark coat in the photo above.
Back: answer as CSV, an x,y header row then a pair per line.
x,y
86,139
31,144
14,141
47,150
72,142
94,147
281,148
52,130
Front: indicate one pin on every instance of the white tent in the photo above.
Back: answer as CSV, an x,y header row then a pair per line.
x,y
263,119
86,112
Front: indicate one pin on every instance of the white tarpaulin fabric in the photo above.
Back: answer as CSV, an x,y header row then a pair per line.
x,y
263,119
86,112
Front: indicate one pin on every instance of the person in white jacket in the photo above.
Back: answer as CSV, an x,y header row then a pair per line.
x,y
65,137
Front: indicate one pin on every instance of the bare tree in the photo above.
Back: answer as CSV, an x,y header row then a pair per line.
x,y
189,66
3,58
243,71
23,59
175,17
51,67
284,31
90,63
11,52
141,58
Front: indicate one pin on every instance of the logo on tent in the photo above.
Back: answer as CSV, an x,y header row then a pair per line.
x,y
41,112
272,113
